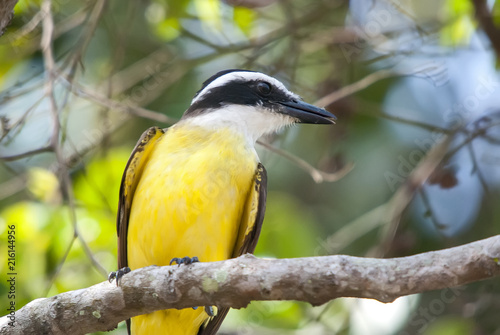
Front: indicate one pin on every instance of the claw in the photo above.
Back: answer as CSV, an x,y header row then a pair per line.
x,y
111,276
118,274
184,260
210,311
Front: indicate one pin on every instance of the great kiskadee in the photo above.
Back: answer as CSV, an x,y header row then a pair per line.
x,y
198,189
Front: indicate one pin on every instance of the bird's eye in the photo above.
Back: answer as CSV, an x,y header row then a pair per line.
x,y
264,88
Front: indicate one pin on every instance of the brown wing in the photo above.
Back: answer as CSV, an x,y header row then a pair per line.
x,y
250,226
130,179
253,216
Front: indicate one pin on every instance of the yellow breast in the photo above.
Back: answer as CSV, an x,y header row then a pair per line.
x,y
188,202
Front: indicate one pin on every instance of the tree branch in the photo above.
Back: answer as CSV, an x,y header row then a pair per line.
x,y
236,282
6,14
485,19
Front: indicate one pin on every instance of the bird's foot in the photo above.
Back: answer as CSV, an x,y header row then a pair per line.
x,y
210,311
118,274
184,260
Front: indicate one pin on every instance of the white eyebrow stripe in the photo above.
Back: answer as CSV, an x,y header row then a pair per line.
x,y
246,76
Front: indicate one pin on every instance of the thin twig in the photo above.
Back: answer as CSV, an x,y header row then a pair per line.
x,y
403,196
22,119
60,264
91,25
26,154
66,185
413,123
28,27
352,231
85,93
317,175
355,87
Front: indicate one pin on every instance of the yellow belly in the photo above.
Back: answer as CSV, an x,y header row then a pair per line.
x,y
188,202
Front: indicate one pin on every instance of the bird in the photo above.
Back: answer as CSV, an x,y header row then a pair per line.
x,y
196,191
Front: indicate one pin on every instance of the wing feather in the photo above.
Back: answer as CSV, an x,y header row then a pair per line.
x,y
253,216
130,179
250,226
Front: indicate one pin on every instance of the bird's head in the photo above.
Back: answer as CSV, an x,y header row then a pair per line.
x,y
251,102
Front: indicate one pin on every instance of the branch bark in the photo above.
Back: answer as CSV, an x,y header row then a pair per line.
x,y
485,19
6,14
238,281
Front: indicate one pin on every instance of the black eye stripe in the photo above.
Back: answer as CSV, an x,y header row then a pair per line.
x,y
259,93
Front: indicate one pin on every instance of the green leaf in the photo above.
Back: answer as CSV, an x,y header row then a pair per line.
x,y
460,26
495,13
450,326
244,18
43,184
168,29
209,12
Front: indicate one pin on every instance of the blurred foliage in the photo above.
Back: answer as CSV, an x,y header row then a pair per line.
x,y
450,326
460,14
495,12
122,67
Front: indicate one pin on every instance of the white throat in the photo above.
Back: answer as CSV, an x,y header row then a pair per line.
x,y
251,121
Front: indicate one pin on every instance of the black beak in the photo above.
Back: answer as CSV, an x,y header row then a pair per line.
x,y
307,113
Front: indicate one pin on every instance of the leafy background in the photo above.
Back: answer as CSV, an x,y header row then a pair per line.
x,y
81,80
